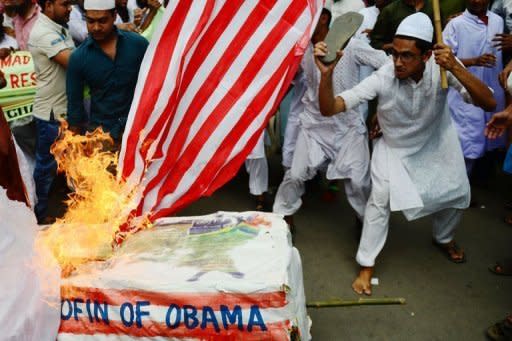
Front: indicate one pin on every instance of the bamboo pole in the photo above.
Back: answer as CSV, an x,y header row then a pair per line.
x,y
439,38
358,302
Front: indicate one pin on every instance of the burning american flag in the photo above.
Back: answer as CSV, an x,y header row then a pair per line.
x,y
213,75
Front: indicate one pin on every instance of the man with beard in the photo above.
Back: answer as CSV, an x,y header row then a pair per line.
x,y
50,45
27,12
108,62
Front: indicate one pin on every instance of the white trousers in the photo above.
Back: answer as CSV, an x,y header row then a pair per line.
x,y
288,198
376,219
290,139
258,175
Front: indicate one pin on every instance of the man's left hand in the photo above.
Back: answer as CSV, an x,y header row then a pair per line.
x,y
444,57
375,131
503,41
499,123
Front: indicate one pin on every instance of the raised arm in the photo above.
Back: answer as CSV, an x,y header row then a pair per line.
x,y
329,105
481,95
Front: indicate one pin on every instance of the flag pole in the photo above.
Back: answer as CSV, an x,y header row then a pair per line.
x,y
439,38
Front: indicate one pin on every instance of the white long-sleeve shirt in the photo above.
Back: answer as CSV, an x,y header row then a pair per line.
x,y
427,170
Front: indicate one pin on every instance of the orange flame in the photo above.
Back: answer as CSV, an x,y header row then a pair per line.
x,y
100,203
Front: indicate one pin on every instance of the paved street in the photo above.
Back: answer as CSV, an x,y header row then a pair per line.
x,y
445,301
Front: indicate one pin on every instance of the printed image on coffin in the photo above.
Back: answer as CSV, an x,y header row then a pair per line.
x,y
228,275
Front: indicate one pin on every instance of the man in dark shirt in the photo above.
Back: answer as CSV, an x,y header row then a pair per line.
x,y
108,62
392,15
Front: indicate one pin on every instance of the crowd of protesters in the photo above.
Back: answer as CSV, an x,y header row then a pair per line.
x,y
376,118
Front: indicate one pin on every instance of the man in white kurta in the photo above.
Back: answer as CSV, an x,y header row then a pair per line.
x,y
470,36
370,15
340,143
417,165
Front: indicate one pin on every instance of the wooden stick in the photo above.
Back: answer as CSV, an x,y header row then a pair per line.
x,y
358,302
439,38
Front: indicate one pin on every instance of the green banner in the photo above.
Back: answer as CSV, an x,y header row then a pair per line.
x,y
17,98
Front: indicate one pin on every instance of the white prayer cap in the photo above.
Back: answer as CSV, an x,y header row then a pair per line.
x,y
417,25
99,5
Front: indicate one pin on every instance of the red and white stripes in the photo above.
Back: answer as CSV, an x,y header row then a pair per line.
x,y
212,77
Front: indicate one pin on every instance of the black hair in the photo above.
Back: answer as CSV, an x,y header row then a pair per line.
x,y
42,3
123,13
422,45
328,13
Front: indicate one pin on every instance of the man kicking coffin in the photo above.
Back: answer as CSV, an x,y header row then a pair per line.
x,y
417,166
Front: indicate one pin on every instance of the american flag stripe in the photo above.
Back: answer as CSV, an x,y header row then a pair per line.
x,y
159,67
214,117
219,70
204,46
226,149
202,94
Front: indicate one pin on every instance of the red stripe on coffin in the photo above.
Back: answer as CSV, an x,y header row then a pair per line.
x,y
115,297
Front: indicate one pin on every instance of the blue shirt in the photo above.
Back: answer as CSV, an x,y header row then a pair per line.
x,y
111,82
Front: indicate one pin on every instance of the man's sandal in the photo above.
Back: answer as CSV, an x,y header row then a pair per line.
x,y
342,29
508,219
501,331
502,267
451,251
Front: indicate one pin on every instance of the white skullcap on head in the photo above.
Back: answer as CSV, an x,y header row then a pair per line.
x,y
417,25
99,5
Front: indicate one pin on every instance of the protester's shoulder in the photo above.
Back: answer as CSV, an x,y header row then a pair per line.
x,y
81,49
78,55
459,22
495,17
38,31
42,32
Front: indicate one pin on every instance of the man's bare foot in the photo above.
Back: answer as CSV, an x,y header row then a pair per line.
x,y
362,284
